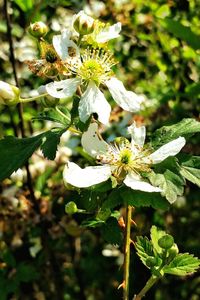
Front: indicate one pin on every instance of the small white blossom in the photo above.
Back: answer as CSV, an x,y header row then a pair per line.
x,y
124,160
92,69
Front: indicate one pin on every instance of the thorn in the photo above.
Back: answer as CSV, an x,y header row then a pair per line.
x,y
122,285
133,222
121,222
132,242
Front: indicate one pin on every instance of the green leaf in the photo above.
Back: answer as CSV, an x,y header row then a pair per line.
x,y
51,139
111,232
190,168
113,200
182,265
138,199
144,248
53,115
170,183
182,32
14,153
25,5
26,272
166,134
193,89
156,234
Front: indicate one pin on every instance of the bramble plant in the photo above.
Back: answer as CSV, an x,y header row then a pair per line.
x,y
121,171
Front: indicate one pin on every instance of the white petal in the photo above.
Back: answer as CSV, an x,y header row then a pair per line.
x,y
91,142
126,99
169,149
89,176
62,43
93,101
109,33
138,134
134,182
62,89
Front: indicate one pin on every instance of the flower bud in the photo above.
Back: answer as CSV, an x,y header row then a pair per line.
x,y
83,23
38,29
71,208
9,94
166,241
172,252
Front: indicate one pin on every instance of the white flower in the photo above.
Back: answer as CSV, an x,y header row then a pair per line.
x,y
108,33
92,69
124,160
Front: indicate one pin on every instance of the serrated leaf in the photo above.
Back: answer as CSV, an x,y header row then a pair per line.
x,y
182,265
182,32
14,152
139,199
156,234
144,248
113,200
53,115
190,168
111,232
166,134
170,183
51,139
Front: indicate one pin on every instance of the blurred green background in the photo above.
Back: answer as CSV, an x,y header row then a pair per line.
x,y
45,254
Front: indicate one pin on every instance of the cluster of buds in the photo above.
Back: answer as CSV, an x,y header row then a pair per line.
x,y
9,94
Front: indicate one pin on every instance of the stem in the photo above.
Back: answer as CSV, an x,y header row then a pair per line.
x,y
25,100
64,116
127,252
152,280
19,106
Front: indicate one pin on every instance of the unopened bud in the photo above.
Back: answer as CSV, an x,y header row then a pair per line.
x,y
9,94
166,241
172,252
38,29
152,261
71,208
83,23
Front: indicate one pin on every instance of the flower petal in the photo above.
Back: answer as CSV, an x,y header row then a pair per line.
x,y
62,43
126,99
93,101
134,182
109,33
138,135
169,149
62,89
92,143
86,177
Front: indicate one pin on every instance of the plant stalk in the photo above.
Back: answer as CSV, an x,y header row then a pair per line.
x,y
127,253
19,106
152,280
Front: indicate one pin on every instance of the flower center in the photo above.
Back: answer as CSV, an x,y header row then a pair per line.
x,y
93,65
125,156
91,70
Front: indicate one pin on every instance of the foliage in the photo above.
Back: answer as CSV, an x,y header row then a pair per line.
x,y
158,57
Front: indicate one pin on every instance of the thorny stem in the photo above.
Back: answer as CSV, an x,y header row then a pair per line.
x,y
152,280
127,253
19,106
